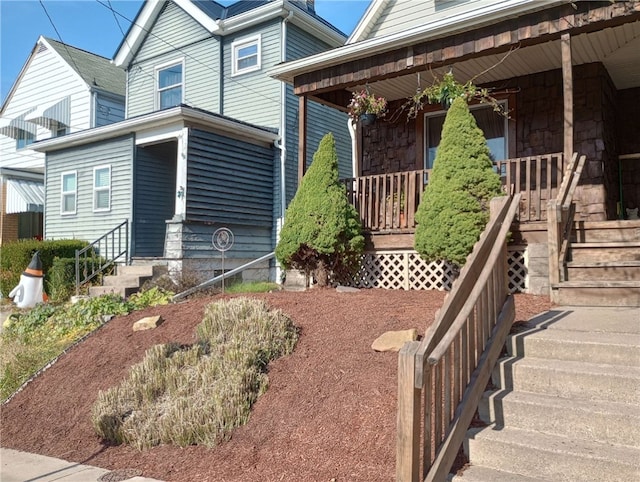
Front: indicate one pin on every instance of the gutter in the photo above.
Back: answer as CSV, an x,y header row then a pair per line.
x,y
429,31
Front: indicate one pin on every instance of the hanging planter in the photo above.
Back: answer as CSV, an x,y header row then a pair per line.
x,y
366,108
367,119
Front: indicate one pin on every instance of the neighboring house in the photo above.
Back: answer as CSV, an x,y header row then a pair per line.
x,y
569,74
60,90
209,139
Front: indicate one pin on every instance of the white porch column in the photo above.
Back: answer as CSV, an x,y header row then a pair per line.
x,y
181,175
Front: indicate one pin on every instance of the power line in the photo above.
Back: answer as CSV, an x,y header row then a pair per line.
x,y
59,36
115,12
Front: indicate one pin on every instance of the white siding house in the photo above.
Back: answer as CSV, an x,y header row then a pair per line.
x,y
60,90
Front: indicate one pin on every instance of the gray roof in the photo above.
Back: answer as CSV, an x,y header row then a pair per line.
x,y
98,72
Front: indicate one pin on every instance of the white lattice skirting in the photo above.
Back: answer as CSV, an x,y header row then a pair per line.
x,y
407,270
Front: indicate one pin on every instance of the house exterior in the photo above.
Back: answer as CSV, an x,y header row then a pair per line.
x,y
209,139
568,73
60,90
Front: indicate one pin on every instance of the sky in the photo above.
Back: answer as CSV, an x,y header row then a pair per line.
x,y
91,26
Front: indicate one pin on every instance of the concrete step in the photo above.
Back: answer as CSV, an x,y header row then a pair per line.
x,y
605,271
594,420
597,293
605,251
142,270
611,348
125,280
125,292
550,457
475,473
569,379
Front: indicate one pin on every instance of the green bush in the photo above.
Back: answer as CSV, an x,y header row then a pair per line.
x,y
455,206
321,232
186,395
16,256
61,279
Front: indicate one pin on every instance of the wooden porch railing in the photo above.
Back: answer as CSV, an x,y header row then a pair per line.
x,y
388,202
560,212
102,253
537,178
441,379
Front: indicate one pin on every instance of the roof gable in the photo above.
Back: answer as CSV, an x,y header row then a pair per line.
x,y
220,20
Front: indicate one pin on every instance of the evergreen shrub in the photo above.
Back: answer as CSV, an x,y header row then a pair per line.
x,y
455,206
322,231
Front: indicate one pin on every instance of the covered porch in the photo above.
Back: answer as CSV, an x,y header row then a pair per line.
x,y
568,77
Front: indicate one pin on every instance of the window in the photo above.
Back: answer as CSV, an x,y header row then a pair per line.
x,y
60,130
246,55
69,192
170,82
102,188
492,124
24,138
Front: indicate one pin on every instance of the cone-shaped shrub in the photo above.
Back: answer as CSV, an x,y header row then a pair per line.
x,y
322,232
455,206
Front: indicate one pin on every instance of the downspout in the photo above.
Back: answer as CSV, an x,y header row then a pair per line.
x,y
283,139
220,24
353,130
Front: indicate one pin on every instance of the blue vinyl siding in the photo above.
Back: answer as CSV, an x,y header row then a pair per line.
x,y
176,36
87,224
154,197
229,181
249,242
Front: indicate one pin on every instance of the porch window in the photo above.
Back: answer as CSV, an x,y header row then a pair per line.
x,y
24,138
69,192
102,188
493,125
170,81
246,55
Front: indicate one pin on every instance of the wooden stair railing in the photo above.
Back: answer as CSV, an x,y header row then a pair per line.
x,y
441,379
560,213
102,253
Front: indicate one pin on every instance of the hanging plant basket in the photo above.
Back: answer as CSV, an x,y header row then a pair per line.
x,y
368,119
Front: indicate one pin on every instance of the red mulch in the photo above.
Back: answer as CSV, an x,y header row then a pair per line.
x,y
329,412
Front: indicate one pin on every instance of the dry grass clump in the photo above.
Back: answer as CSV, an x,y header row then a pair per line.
x,y
197,394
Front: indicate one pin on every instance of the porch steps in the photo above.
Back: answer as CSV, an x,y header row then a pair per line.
x,y
568,403
603,267
128,280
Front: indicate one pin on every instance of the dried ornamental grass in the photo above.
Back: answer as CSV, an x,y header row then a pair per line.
x,y
186,395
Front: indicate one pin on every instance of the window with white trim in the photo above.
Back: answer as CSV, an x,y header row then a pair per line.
x,y
69,192
246,55
493,125
24,138
102,188
169,85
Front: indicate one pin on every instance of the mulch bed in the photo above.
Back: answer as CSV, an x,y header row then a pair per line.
x,y
329,412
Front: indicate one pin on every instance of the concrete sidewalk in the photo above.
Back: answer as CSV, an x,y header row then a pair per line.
x,y
16,466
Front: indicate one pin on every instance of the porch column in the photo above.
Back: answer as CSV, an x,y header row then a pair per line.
x,y
181,176
567,94
302,137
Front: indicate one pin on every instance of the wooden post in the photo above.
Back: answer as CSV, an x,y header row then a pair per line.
x,y
567,86
553,237
302,137
408,418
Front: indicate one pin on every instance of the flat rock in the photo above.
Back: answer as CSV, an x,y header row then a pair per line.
x,y
147,323
393,340
346,289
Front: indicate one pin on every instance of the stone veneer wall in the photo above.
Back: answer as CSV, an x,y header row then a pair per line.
x,y
628,139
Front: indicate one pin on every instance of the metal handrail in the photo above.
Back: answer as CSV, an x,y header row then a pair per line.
x,y
102,253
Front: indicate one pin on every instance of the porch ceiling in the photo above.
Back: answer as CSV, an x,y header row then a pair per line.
x,y
618,48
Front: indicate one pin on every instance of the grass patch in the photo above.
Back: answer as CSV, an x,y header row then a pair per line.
x,y
32,338
197,394
252,287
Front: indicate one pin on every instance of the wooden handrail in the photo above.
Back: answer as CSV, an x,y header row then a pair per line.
x,y
449,369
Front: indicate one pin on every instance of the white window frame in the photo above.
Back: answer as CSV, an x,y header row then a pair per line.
x,y
237,45
99,189
156,87
64,193
505,105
